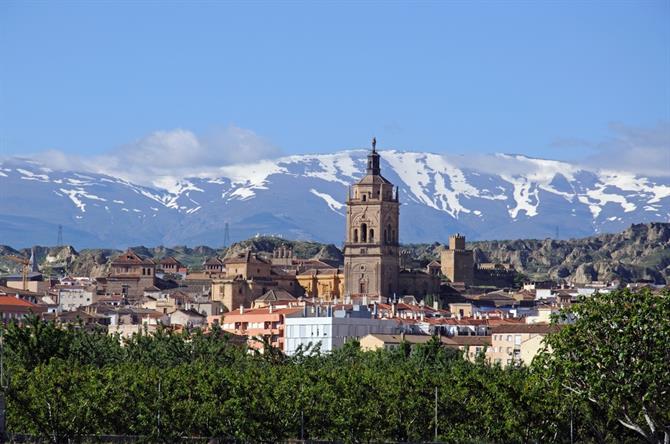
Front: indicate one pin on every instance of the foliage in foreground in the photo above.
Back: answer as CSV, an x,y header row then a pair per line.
x,y
606,371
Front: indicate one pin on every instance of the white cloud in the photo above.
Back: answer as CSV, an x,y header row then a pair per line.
x,y
644,151
634,150
167,156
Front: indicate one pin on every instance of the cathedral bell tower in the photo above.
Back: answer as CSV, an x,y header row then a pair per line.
x,y
371,261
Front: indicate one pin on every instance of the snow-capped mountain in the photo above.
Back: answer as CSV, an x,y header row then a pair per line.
x,y
302,197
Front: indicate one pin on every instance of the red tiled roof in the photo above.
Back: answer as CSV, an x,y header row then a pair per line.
x,y
527,328
11,301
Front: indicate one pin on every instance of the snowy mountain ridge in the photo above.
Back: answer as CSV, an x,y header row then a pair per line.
x,y
303,196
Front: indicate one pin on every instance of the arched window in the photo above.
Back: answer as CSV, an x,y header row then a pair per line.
x,y
390,241
355,234
393,238
365,197
386,236
372,235
364,233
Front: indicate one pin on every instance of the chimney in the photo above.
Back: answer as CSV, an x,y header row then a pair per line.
x,y
270,309
241,309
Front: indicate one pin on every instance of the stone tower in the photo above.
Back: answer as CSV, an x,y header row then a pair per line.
x,y
457,262
371,261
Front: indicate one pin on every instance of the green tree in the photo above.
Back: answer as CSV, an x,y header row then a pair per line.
x,y
613,360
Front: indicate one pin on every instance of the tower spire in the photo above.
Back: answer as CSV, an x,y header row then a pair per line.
x,y
373,160
33,262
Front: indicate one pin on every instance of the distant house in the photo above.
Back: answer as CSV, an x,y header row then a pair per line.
x,y
71,297
332,326
517,343
170,265
130,274
266,322
13,308
275,297
187,318
214,265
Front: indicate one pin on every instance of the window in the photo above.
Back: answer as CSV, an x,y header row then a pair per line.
x,y
372,235
517,340
364,197
356,235
364,233
509,338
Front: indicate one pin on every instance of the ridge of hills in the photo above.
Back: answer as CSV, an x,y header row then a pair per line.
x,y
304,197
641,252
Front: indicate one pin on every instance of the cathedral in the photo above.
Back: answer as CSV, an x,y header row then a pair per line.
x,y
371,256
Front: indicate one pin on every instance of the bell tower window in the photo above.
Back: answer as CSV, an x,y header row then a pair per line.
x,y
355,234
372,235
364,233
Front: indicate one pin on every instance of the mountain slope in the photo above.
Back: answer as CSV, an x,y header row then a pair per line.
x,y
302,197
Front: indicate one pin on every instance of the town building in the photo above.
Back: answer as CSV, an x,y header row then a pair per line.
x,y
171,266
72,297
371,257
258,324
129,276
515,344
330,327
457,261
325,284
15,309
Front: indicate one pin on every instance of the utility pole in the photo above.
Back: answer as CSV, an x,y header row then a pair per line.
x,y
572,436
435,414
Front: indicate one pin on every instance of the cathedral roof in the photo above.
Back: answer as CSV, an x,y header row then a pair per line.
x,y
371,179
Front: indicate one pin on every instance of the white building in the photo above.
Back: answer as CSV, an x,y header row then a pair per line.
x,y
72,297
331,328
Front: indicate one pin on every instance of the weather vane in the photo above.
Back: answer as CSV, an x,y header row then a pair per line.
x,y
374,143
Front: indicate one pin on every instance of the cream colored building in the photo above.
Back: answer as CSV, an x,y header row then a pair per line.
x,y
371,260
323,284
517,344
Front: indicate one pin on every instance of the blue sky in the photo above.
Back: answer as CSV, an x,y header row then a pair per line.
x,y
549,79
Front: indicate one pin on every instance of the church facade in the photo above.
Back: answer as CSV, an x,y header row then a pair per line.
x,y
371,256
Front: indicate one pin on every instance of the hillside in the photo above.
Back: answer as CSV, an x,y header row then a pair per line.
x,y
640,252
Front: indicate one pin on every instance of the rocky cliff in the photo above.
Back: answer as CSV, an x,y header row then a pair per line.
x,y
641,252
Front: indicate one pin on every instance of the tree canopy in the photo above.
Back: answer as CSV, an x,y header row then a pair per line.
x,y
602,378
